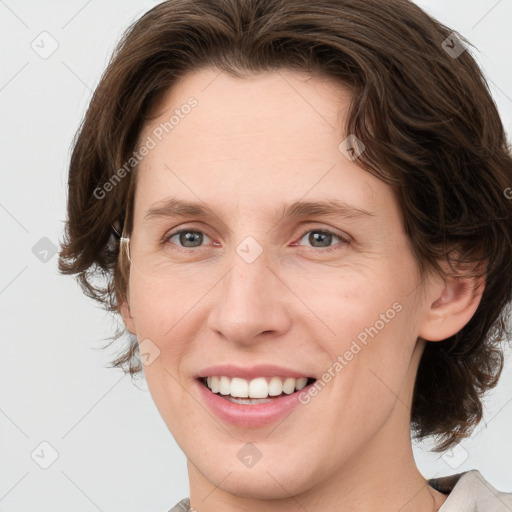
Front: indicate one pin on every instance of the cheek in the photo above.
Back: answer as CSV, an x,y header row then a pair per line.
x,y
156,306
368,382
374,338
161,321
354,307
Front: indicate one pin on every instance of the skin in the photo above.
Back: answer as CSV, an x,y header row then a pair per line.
x,y
250,145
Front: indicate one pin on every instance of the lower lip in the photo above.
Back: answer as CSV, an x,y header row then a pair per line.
x,y
250,416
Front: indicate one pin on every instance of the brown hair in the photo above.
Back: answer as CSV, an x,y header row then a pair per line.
x,y
426,117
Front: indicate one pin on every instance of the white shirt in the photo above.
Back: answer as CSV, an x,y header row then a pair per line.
x,y
467,492
470,492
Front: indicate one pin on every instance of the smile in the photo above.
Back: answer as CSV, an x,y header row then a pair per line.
x,y
251,402
255,390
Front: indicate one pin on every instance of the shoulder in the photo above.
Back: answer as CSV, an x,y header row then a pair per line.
x,y
182,506
471,492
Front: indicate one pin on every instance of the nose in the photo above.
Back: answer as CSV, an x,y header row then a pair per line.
x,y
250,302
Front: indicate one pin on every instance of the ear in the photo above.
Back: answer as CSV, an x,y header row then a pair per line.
x,y
127,316
452,302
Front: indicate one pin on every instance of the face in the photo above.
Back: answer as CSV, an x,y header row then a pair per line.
x,y
268,290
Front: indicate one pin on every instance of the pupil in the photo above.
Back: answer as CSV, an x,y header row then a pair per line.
x,y
314,237
189,237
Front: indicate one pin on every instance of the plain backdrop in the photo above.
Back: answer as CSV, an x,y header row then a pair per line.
x,y
104,443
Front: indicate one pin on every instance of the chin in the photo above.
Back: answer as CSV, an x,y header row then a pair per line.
x,y
261,485
274,479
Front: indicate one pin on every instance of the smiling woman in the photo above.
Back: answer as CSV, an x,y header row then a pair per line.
x,y
312,262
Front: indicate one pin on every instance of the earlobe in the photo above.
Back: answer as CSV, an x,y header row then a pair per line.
x,y
452,308
127,316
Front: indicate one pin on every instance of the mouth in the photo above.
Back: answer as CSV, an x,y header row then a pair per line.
x,y
253,396
259,390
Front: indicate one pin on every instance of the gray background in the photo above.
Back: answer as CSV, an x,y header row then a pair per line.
x,y
114,451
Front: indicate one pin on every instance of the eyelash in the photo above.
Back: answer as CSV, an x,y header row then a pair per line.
x,y
343,241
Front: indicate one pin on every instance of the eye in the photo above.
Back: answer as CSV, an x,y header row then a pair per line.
x,y
322,238
188,238
318,238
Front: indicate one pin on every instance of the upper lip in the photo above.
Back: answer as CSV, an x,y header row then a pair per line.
x,y
252,372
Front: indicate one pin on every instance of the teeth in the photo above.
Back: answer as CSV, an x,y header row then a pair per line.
x,y
224,386
260,387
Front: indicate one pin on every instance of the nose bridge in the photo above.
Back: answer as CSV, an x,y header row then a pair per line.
x,y
247,279
247,305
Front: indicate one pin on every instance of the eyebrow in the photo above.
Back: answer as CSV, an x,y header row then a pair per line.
x,y
174,207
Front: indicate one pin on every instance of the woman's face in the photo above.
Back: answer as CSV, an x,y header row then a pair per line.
x,y
268,288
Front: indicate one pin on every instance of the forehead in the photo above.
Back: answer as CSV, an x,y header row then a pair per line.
x,y
272,136
233,116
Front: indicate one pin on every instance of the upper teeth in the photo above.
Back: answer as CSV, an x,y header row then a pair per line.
x,y
256,388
